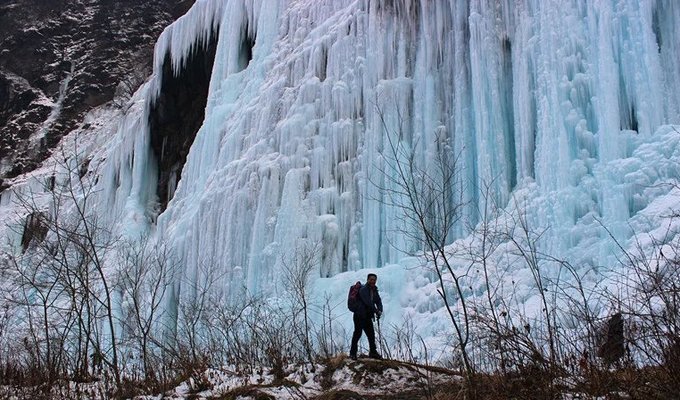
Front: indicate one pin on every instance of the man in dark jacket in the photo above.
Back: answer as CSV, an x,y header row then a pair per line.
x,y
370,306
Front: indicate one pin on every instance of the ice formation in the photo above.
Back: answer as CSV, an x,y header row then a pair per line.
x,y
562,108
544,92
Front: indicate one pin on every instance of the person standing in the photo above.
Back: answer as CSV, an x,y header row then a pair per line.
x,y
369,307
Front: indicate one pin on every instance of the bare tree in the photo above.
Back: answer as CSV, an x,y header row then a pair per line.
x,y
526,244
647,313
37,292
63,261
143,280
227,320
325,335
195,320
297,269
484,239
429,200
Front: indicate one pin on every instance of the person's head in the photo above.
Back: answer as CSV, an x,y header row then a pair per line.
x,y
371,279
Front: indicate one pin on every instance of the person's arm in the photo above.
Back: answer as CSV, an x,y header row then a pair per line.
x,y
378,301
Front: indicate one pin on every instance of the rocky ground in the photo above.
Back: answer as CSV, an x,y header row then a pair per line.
x,y
339,379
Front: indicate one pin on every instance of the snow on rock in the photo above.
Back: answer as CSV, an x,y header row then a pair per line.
x,y
341,377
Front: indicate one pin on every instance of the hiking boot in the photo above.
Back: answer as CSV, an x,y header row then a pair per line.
x,y
353,357
375,355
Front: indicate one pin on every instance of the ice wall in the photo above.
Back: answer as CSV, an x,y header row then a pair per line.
x,y
542,94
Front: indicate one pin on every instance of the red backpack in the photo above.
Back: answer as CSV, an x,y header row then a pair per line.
x,y
353,297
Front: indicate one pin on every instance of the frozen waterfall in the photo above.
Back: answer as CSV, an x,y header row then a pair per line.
x,y
559,108
540,94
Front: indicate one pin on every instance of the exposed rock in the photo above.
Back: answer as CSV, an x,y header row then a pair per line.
x,y
177,114
612,348
35,229
97,43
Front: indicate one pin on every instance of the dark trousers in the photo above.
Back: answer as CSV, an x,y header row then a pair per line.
x,y
363,323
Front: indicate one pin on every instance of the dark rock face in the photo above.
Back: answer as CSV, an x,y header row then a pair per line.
x,y
177,114
97,43
613,347
35,229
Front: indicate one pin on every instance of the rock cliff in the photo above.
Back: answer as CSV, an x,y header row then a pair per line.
x,y
59,59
